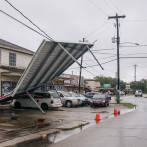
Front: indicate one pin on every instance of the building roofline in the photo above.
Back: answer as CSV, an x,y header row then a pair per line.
x,y
10,46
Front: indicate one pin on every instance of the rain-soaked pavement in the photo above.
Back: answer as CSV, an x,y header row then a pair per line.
x,y
27,123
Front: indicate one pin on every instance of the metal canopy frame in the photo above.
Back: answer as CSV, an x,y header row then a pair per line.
x,y
35,102
49,61
95,58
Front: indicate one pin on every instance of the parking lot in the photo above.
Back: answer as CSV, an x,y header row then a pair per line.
x,y
63,118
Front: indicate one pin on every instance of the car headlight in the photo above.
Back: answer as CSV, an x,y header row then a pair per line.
x,y
103,101
74,100
91,101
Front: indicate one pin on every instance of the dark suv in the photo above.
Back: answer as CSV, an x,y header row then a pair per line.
x,y
91,94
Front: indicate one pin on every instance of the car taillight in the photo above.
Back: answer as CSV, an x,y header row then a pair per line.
x,y
135,92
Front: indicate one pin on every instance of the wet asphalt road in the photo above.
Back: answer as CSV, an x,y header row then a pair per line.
x,y
127,130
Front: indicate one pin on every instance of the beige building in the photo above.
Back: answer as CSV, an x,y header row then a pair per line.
x,y
13,61
91,85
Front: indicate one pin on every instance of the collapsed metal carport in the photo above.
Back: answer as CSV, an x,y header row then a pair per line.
x,y
50,61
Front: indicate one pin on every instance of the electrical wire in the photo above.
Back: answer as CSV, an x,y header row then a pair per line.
x,y
100,58
109,6
103,49
29,20
92,68
96,29
101,32
134,46
98,8
116,7
89,72
24,24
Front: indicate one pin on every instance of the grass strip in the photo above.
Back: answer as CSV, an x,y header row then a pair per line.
x,y
129,105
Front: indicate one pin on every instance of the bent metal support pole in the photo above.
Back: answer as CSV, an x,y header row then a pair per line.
x,y
35,103
95,57
56,89
70,55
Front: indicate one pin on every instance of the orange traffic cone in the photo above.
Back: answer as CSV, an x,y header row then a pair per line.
x,y
115,115
97,117
97,121
115,110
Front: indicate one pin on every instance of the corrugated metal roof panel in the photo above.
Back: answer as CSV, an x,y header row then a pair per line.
x,y
49,62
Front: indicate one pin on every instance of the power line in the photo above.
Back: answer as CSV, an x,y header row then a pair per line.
x,y
96,29
100,58
92,68
98,8
109,6
24,25
134,46
103,49
101,32
47,35
29,20
89,72
116,7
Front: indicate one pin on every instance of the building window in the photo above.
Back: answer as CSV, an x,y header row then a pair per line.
x,y
12,59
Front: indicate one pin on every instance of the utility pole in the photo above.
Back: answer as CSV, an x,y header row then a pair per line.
x,y
118,40
81,68
135,73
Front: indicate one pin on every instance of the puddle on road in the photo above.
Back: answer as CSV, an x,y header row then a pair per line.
x,y
48,139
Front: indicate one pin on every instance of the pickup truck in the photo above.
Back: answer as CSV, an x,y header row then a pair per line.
x,y
138,93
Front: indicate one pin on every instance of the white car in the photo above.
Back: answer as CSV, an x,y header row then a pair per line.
x,y
43,99
138,93
68,100
121,92
83,100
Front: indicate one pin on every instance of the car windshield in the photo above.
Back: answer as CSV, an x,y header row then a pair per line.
x,y
55,95
81,95
98,96
75,95
139,91
66,94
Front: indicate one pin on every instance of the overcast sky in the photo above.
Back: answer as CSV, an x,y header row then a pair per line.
x,y
73,20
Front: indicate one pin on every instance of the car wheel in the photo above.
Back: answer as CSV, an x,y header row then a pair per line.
x,y
17,105
141,95
68,104
135,95
91,106
44,106
108,104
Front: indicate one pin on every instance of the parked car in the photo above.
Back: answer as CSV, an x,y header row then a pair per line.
x,y
99,100
115,92
138,93
68,100
87,101
108,94
91,94
83,100
44,99
121,93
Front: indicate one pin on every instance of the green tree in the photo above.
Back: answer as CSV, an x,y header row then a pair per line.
x,y
110,80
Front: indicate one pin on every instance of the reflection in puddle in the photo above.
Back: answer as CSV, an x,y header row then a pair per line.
x,y
48,139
